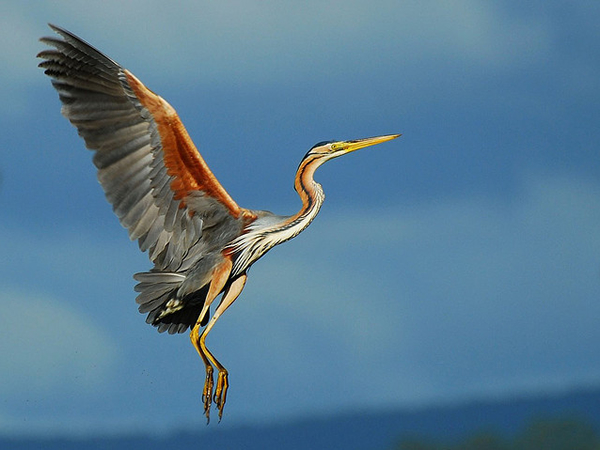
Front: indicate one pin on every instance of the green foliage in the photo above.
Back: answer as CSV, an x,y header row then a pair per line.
x,y
548,434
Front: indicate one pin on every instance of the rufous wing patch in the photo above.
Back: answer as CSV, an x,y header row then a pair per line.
x,y
181,158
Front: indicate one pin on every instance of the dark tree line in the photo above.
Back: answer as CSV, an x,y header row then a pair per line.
x,y
566,434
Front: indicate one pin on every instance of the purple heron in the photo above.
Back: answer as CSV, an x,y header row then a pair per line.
x,y
200,241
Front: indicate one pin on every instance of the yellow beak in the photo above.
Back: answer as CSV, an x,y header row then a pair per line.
x,y
350,146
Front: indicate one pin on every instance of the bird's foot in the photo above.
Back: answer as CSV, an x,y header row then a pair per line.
x,y
221,391
207,393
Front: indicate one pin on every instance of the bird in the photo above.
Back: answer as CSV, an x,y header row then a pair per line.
x,y
200,242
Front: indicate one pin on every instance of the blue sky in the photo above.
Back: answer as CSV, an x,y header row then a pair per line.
x,y
460,261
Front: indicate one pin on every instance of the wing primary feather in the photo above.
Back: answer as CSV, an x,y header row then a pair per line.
x,y
160,187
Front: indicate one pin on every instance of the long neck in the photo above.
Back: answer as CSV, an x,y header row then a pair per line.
x,y
264,235
310,192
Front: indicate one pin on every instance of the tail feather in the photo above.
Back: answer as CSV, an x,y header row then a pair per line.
x,y
159,297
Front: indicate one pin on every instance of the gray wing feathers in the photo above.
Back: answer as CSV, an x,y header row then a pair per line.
x,y
97,99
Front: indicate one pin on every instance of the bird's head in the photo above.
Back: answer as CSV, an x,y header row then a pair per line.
x,y
333,149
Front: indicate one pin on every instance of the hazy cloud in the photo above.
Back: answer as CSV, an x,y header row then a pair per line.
x,y
48,346
262,42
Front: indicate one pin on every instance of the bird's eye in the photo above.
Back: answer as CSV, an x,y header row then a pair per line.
x,y
337,146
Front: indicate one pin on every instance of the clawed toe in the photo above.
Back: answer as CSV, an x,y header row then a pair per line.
x,y
207,393
221,391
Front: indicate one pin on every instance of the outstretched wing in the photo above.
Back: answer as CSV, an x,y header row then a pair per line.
x,y
160,187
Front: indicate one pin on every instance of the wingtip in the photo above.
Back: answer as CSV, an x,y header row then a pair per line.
x,y
61,31
56,28
77,42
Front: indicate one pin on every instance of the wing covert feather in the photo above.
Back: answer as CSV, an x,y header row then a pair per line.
x,y
182,159
147,163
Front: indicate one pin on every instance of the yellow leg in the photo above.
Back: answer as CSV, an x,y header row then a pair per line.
x,y
208,381
230,295
219,279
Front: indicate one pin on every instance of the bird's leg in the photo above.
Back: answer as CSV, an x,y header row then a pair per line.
x,y
208,382
219,280
231,293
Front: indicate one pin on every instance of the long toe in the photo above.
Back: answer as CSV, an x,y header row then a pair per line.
x,y
207,392
221,391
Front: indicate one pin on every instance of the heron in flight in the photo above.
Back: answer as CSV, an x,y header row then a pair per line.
x,y
200,241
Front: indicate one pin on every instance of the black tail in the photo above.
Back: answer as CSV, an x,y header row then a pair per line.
x,y
158,296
